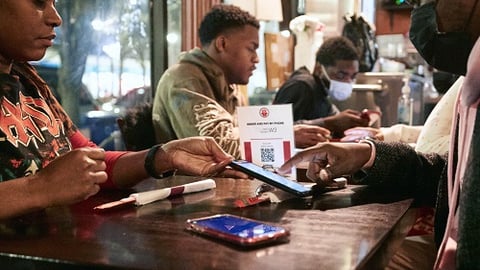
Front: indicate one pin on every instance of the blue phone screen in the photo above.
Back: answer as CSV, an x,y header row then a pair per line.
x,y
282,181
240,227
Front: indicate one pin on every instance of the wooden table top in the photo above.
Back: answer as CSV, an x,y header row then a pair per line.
x,y
352,228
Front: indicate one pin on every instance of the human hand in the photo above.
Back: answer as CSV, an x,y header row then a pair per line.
x,y
72,177
308,135
327,161
344,120
200,156
373,116
359,133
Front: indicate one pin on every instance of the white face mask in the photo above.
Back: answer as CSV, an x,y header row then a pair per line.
x,y
340,90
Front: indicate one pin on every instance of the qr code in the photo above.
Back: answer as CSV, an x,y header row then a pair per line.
x,y
267,155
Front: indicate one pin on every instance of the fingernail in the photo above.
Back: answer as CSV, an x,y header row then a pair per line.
x,y
325,175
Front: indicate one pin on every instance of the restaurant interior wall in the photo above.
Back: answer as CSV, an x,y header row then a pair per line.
x,y
330,12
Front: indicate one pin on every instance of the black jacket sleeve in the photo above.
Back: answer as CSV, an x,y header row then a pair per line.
x,y
300,95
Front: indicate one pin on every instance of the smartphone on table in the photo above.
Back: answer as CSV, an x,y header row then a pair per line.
x,y
272,178
241,231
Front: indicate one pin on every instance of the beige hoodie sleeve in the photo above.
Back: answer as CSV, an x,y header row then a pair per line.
x,y
435,135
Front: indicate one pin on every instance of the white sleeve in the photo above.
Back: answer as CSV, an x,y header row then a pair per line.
x,y
401,133
435,135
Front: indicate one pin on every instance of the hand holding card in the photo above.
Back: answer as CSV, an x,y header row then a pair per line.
x,y
371,115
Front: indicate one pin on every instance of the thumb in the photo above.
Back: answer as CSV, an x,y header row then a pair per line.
x,y
326,175
215,168
320,172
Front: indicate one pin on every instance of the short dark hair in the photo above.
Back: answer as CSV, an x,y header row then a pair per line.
x,y
336,48
222,18
136,127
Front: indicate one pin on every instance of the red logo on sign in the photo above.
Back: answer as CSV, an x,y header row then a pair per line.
x,y
264,112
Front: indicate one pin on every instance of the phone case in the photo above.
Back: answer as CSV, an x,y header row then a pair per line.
x,y
272,178
238,230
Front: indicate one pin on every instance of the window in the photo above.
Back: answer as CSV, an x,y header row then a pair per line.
x,y
101,54
174,30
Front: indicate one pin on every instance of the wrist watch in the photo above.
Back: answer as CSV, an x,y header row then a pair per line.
x,y
150,163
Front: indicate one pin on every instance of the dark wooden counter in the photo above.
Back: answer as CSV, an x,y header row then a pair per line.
x,y
353,228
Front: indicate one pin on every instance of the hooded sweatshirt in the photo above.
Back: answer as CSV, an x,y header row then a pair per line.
x,y
193,98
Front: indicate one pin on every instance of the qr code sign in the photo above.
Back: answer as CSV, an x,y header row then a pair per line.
x,y
267,155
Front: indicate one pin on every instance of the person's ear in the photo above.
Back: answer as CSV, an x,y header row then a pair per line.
x,y
317,69
220,43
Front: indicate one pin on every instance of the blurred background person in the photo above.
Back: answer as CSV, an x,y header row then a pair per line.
x,y
197,96
310,93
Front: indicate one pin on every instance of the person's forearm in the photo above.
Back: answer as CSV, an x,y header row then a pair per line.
x,y
20,196
314,122
330,123
129,169
398,165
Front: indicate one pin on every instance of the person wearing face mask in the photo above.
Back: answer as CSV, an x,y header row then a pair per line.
x,y
199,95
435,31
310,93
437,28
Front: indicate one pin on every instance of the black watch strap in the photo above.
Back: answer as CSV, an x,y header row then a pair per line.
x,y
150,163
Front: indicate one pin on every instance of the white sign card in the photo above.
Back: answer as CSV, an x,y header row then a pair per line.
x,y
266,134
